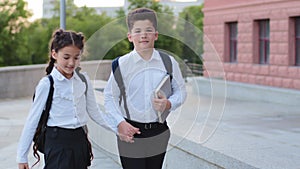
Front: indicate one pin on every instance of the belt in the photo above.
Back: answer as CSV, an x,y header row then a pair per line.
x,y
147,126
55,128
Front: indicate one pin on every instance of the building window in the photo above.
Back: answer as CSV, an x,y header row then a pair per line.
x,y
233,35
297,41
231,40
264,41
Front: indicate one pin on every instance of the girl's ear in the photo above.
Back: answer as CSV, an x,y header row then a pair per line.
x,y
53,54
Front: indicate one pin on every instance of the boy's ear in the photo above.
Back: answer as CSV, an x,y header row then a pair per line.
x,y
156,35
129,37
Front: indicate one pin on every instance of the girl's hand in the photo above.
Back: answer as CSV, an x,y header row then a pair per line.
x,y
23,166
126,132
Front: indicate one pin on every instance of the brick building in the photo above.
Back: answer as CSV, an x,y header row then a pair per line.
x,y
256,42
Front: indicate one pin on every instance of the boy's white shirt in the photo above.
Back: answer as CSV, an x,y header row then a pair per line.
x,y
70,108
140,79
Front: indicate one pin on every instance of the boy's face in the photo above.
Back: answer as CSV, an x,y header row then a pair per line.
x,y
143,35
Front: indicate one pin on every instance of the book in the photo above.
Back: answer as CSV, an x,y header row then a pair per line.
x,y
164,88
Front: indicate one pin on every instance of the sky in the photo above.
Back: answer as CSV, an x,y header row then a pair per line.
x,y
36,6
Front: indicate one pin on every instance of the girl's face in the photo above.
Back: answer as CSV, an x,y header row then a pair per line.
x,y
143,35
67,59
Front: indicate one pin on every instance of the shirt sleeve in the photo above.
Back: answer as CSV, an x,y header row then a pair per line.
x,y
111,100
103,119
178,87
32,120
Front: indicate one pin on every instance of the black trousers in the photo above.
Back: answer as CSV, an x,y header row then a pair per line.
x,y
66,149
149,147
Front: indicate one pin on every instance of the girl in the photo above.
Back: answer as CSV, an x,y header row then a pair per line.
x,y
66,143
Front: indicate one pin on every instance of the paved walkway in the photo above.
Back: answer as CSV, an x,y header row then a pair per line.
x,y
263,135
13,114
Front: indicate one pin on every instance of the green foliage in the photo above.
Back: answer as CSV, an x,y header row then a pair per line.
x,y
23,42
192,33
12,23
145,3
194,14
120,13
82,19
108,42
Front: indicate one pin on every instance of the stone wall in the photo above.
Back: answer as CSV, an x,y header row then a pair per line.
x,y
20,81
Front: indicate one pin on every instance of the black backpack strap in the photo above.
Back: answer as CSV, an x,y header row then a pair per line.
x,y
119,80
167,63
82,77
45,114
50,97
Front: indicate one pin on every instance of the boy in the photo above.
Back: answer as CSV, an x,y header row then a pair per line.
x,y
142,140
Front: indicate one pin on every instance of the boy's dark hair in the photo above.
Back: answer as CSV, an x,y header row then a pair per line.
x,y
141,14
61,39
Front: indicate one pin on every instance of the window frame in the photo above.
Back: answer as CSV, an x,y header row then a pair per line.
x,y
263,41
231,42
297,41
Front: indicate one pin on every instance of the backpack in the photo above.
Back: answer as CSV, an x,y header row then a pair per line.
x,y
118,77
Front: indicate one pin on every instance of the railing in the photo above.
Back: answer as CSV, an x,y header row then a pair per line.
x,y
195,69
191,70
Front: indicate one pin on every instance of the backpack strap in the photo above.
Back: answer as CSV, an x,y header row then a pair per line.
x,y
49,100
45,115
42,124
82,77
119,80
167,63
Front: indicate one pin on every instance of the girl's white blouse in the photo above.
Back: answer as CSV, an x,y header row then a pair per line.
x,y
70,108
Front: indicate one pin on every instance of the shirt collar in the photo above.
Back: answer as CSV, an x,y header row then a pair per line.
x,y
137,58
55,73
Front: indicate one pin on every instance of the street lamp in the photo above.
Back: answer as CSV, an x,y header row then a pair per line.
x,y
62,14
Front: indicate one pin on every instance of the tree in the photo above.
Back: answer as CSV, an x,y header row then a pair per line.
x,y
12,23
82,19
192,33
195,15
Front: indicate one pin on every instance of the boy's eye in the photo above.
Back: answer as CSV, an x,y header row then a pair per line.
x,y
149,30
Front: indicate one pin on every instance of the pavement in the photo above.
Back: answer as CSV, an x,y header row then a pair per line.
x,y
263,135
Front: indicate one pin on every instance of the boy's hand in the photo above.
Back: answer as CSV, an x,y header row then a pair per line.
x,y
161,103
126,131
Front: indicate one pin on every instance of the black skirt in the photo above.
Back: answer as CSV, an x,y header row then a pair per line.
x,y
66,149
